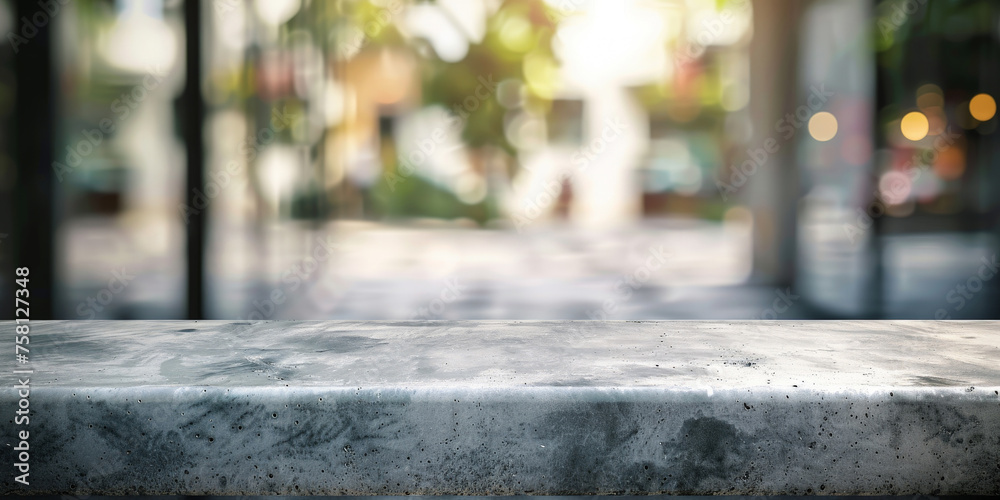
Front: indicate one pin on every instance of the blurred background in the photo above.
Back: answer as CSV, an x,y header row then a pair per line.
x,y
501,159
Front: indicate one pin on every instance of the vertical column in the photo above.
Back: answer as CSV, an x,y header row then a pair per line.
x,y
773,192
193,119
33,201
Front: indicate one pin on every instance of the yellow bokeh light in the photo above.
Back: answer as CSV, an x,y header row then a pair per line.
x,y
983,107
914,126
823,126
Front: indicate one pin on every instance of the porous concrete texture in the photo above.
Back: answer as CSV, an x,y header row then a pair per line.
x,y
547,407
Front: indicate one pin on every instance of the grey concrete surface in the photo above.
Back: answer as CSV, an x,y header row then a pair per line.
x,y
498,408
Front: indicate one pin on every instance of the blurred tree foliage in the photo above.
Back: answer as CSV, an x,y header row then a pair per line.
x,y
519,28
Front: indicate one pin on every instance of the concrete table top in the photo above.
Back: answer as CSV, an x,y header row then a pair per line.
x,y
510,407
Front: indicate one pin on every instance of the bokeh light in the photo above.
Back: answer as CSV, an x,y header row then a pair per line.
x,y
914,126
983,107
949,164
929,95
823,126
894,187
